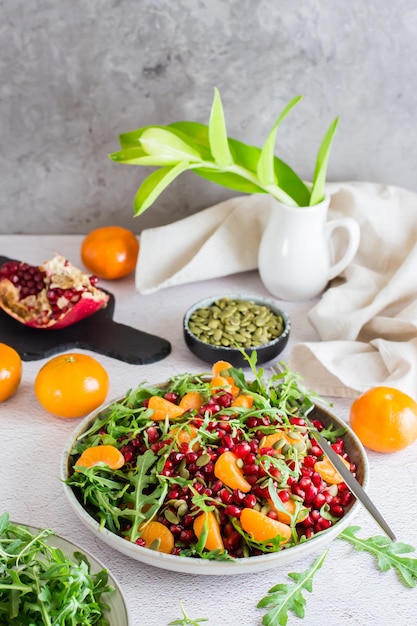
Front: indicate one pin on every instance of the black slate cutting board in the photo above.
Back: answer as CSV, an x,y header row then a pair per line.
x,y
98,333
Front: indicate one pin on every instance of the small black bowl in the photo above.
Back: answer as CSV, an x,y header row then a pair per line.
x,y
211,353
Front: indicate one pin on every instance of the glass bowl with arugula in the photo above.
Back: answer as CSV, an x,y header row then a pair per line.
x,y
46,579
213,473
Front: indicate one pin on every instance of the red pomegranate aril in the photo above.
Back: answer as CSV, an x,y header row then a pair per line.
x,y
346,498
187,521
297,421
318,425
140,542
310,494
316,451
241,450
250,468
227,442
304,482
316,479
171,396
187,536
249,500
319,500
152,434
251,478
238,496
191,457
253,422
315,515
272,514
337,511
232,510
308,522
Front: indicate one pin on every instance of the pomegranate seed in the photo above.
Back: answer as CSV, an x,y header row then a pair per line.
x,y
284,496
310,494
337,511
272,514
232,510
172,396
241,450
249,500
140,542
319,500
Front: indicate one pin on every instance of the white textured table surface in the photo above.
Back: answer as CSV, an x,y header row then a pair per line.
x,y
349,589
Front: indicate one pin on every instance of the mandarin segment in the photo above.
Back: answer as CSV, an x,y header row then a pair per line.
x,y
227,470
220,368
224,383
328,472
263,528
271,441
186,434
191,401
157,537
214,539
163,408
290,506
101,455
243,400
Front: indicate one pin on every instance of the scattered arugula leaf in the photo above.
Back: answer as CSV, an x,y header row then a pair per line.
x,y
187,621
289,597
387,553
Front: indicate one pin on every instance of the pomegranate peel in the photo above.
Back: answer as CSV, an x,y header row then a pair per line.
x,y
53,295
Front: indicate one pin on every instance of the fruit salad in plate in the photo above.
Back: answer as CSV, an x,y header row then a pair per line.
x,y
211,466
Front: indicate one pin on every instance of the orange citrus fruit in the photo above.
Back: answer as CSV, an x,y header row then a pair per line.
x,y
110,252
10,371
384,419
157,537
101,455
214,539
71,385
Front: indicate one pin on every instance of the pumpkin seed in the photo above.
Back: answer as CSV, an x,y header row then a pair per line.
x,y
203,460
171,517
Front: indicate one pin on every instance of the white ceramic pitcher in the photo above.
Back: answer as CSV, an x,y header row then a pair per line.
x,y
295,254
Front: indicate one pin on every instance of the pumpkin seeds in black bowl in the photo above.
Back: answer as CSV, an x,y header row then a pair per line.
x,y
219,327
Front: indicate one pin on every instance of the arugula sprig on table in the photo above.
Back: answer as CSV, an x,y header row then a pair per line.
x,y
45,585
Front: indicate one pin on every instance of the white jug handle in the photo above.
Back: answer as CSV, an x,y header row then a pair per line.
x,y
353,231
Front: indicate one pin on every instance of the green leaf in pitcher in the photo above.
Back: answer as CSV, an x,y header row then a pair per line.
x,y
218,135
266,166
211,154
319,178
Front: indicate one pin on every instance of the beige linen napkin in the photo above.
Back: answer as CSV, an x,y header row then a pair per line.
x,y
218,241
367,318
368,323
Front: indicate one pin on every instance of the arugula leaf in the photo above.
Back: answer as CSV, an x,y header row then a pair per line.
x,y
387,553
187,621
289,597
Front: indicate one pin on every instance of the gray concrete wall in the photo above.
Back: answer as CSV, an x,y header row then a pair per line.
x,y
76,73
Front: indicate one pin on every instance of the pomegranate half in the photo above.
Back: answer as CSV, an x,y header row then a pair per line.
x,y
53,295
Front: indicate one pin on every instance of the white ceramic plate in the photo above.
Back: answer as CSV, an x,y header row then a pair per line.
x,y
118,614
248,565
